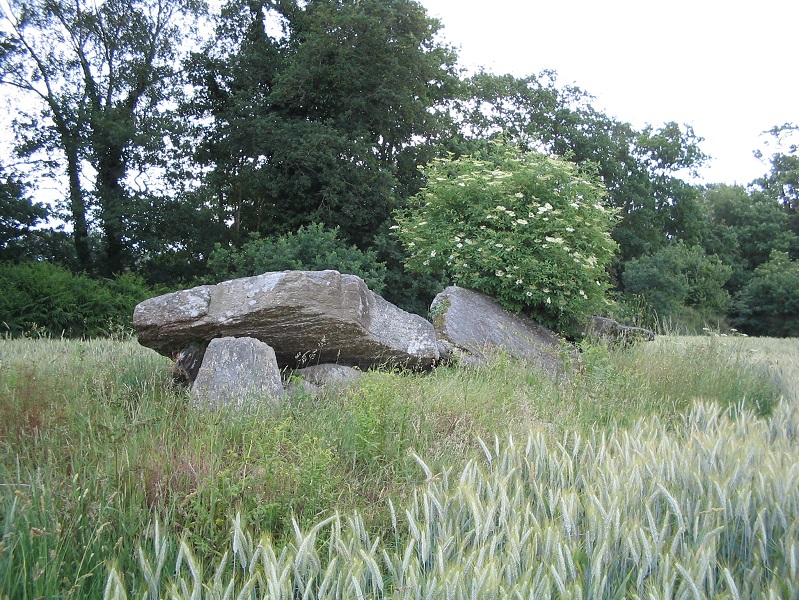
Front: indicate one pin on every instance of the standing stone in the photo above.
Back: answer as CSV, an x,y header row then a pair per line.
x,y
472,326
187,365
238,372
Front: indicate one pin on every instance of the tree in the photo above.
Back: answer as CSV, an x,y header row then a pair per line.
x,y
528,229
782,182
743,228
322,122
101,74
769,304
681,283
17,216
638,168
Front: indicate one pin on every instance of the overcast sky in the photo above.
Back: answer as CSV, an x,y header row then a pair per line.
x,y
730,69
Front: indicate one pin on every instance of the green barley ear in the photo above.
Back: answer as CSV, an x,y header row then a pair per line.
x,y
731,584
242,545
427,472
185,554
114,590
487,452
218,585
152,576
394,524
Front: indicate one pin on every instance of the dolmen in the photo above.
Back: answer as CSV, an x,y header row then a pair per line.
x,y
232,341
304,317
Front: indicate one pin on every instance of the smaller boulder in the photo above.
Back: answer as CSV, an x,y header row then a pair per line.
x,y
238,372
612,331
328,374
471,326
319,378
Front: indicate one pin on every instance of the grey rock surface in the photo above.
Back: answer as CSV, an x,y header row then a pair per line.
x,y
611,330
308,317
335,375
318,379
472,326
238,372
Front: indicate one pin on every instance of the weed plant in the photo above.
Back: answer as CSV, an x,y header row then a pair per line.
x,y
95,448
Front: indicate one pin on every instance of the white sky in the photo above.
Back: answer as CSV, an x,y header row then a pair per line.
x,y
728,68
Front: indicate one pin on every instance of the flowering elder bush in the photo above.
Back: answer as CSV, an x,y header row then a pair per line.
x,y
528,229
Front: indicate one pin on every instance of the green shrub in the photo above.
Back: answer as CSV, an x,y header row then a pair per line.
x,y
680,283
46,299
528,229
311,248
769,304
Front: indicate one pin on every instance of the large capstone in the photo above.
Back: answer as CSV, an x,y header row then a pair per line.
x,y
472,327
307,317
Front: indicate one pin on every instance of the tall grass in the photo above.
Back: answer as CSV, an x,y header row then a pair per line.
x,y
94,446
708,511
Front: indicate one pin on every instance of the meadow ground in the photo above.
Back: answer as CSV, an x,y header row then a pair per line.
x,y
667,467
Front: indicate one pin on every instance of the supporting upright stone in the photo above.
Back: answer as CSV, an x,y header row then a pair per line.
x,y
238,372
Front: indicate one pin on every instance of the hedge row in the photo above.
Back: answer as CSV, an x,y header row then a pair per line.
x,y
44,299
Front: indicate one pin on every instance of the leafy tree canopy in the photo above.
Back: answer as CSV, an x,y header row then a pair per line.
x,y
18,214
324,121
638,168
782,182
769,304
99,75
743,228
680,282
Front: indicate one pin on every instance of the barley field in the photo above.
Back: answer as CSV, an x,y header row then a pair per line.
x,y
668,470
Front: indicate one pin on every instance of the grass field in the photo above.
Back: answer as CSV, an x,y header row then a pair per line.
x,y
668,467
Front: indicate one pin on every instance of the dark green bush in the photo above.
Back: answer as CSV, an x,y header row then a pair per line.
x,y
681,284
45,299
769,304
311,248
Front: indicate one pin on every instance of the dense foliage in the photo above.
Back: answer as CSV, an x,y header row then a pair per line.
x,y
324,122
48,300
311,248
166,131
769,303
18,216
525,228
640,169
681,282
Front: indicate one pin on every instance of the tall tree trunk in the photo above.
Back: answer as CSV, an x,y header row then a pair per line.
x,y
113,205
77,205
